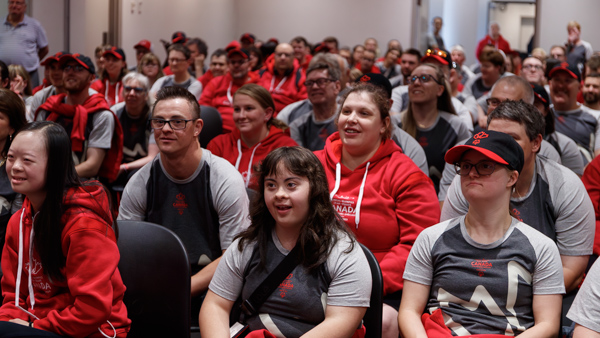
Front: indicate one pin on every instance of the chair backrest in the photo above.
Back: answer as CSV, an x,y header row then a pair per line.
x,y
155,269
374,315
213,124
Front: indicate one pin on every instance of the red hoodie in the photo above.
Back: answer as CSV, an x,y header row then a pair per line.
x,y
91,296
228,146
113,92
500,44
219,94
386,202
286,88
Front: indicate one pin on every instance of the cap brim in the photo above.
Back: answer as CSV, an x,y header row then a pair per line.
x,y
237,52
48,60
558,69
455,154
113,53
66,58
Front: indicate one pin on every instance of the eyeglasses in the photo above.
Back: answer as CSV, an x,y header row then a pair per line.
x,y
483,168
493,102
137,90
176,124
173,60
320,82
534,67
75,68
423,78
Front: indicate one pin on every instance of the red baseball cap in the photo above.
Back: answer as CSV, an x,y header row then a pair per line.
x,y
116,52
53,58
144,44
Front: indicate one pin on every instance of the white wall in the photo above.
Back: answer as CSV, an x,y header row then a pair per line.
x,y
89,19
554,15
211,20
50,13
351,21
465,23
508,16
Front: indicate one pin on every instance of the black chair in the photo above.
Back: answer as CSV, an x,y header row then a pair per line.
x,y
213,124
373,317
155,269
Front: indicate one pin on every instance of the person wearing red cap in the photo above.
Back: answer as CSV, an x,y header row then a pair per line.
x,y
109,84
572,119
247,41
177,38
220,90
141,48
56,85
284,78
96,134
485,257
178,58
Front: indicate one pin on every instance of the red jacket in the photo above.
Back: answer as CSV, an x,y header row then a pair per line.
x,y
500,44
591,181
218,94
228,147
91,295
398,202
205,78
113,93
285,88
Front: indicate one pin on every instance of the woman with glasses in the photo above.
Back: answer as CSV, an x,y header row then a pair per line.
x,y
255,135
485,272
178,57
133,114
383,197
150,67
431,118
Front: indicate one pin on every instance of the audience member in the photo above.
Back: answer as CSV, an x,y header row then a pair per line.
x,y
255,59
294,224
431,118
591,91
559,53
4,78
201,197
283,78
372,45
533,71
301,51
96,135
198,52
389,67
332,43
216,67
133,114
451,263
20,83
255,135
109,84
312,129
247,41
178,57
578,51
64,281
23,40
150,67
378,191
547,196
220,90
492,69
584,310
12,115
357,52
434,39
573,120
56,85
141,48
458,56
539,53
410,60
493,38
99,58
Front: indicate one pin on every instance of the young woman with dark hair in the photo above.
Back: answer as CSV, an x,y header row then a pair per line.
x,y
292,208
60,258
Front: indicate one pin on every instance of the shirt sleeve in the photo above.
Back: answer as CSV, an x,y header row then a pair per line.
x,y
419,266
133,201
585,310
228,279
195,88
102,130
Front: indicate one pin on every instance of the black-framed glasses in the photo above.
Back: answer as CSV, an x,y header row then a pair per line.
x,y
137,90
320,82
423,78
483,168
175,124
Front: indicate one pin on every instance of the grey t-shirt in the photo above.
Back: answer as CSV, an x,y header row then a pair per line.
x,y
556,204
300,301
192,85
582,126
568,151
229,200
310,133
585,310
485,288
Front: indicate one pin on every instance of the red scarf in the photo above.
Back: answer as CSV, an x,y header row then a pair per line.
x,y
79,115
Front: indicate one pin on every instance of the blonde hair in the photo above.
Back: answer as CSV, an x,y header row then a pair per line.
x,y
573,24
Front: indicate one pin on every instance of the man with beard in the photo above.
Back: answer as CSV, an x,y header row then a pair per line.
x,y
591,91
220,90
96,135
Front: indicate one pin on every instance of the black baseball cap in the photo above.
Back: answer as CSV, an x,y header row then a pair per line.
x,y
496,146
83,60
377,80
570,69
53,58
440,55
178,37
116,52
541,94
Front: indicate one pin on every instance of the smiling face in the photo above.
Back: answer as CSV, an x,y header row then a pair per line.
x,y
26,165
77,78
56,74
218,65
113,65
420,91
249,117
321,94
174,142
134,99
287,199
360,125
563,91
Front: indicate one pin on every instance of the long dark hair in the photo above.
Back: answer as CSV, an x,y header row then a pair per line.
x,y
320,230
60,175
14,108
